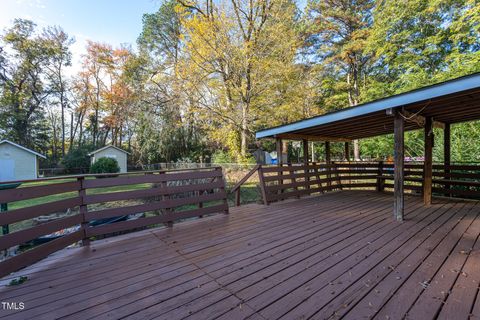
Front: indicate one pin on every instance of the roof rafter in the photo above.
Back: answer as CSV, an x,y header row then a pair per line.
x,y
293,136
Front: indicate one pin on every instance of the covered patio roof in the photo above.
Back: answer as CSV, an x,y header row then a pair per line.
x,y
453,101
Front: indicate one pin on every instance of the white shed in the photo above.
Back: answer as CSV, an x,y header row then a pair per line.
x,y
111,152
17,162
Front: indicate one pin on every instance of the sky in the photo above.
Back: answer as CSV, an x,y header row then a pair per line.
x,y
111,21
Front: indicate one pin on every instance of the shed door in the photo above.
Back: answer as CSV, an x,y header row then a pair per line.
x,y
7,169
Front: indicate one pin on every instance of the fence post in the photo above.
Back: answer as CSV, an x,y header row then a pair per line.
x,y
83,211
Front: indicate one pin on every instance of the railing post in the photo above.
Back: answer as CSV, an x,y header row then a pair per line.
x,y
5,228
237,197
337,175
317,175
293,180
164,197
307,175
224,189
380,180
83,212
262,186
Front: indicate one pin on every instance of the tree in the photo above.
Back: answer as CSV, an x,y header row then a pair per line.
x,y
337,34
234,53
24,56
59,42
167,125
105,93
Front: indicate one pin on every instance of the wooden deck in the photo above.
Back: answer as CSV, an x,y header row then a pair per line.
x,y
339,255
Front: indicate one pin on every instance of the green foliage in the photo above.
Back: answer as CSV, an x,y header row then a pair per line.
x,y
221,156
17,281
24,58
105,165
77,158
209,74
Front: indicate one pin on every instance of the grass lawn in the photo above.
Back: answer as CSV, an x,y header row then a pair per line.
x,y
41,200
249,193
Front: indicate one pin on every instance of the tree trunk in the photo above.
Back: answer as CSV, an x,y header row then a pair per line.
x,y
353,96
244,132
63,123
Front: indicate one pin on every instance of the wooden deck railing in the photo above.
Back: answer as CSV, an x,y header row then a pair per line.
x,y
287,181
236,188
162,197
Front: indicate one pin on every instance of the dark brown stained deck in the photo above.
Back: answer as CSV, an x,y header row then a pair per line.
x,y
339,255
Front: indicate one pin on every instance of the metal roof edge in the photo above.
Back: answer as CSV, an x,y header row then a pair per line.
x,y
421,94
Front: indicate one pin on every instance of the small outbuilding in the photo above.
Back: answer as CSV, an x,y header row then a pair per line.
x,y
111,152
17,162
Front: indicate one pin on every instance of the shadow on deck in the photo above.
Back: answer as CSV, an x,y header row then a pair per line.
x,y
338,255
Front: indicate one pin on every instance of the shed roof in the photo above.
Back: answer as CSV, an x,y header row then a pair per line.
x,y
453,101
23,148
106,147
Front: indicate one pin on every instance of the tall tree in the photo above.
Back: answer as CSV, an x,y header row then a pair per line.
x,y
234,53
59,42
338,32
24,56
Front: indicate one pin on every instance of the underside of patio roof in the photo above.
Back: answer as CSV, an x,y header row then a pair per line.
x,y
439,105
449,102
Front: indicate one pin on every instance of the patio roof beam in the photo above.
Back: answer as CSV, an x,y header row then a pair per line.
x,y
420,120
293,136
305,150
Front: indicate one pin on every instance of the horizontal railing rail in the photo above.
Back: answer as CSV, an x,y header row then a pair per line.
x,y
295,180
82,206
236,188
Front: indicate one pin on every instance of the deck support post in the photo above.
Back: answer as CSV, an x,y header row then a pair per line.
x,y
428,162
279,145
328,161
399,140
305,162
446,155
305,151
347,151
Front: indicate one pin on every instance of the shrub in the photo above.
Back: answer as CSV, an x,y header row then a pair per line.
x,y
77,160
105,165
221,156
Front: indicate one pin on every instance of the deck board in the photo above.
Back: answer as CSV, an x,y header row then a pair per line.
x,y
337,255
